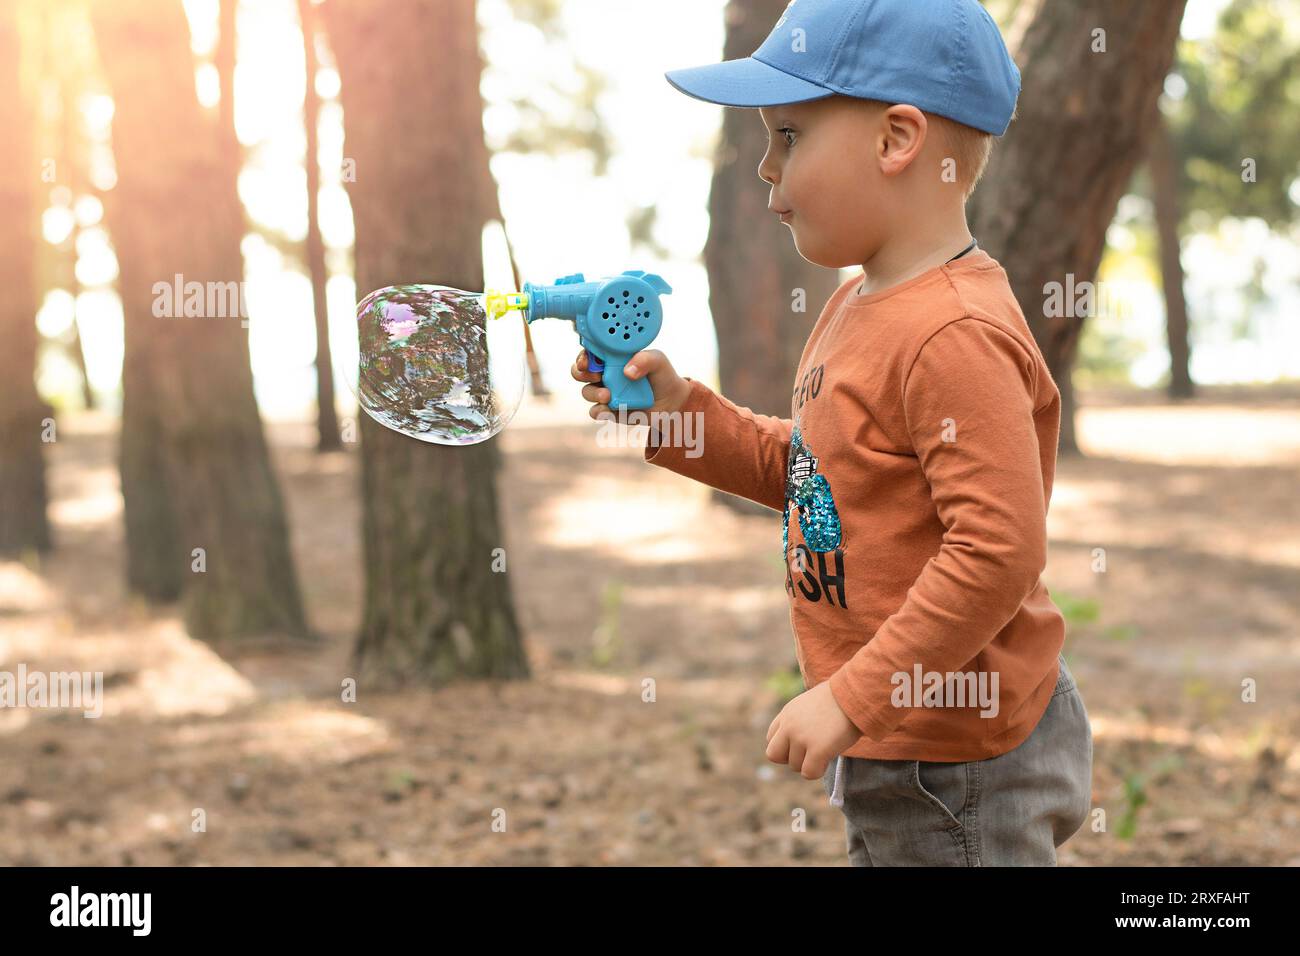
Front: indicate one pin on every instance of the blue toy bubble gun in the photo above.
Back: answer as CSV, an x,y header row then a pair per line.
x,y
615,317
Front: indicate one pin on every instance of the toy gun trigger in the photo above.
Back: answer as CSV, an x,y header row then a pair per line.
x,y
594,364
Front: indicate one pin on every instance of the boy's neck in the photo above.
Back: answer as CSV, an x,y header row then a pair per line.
x,y
920,250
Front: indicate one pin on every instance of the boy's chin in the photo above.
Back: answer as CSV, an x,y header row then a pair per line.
x,y
825,258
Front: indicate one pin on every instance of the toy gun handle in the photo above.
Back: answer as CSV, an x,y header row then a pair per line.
x,y
634,393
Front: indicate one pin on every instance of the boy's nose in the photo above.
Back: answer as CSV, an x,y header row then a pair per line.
x,y
767,170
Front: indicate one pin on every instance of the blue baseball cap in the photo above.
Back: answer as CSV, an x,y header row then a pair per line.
x,y
941,56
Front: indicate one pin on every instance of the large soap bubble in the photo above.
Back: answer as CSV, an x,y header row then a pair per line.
x,y
433,367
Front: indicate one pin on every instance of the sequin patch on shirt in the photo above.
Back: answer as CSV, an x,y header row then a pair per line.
x,y
819,520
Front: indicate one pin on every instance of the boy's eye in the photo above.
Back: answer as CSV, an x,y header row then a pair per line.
x,y
788,133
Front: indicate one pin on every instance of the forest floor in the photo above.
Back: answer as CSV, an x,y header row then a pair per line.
x,y
1194,504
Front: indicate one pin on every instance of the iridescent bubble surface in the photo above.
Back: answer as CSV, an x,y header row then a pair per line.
x,y
432,366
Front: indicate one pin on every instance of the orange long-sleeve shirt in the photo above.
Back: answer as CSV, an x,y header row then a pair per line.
x,y
913,478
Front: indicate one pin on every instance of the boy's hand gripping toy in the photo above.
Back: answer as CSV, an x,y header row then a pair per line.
x,y
615,318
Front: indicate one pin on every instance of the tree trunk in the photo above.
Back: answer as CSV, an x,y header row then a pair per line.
x,y
1163,164
327,423
24,526
204,513
435,608
1052,186
753,266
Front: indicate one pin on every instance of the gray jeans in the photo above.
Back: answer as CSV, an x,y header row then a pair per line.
x,y
1011,810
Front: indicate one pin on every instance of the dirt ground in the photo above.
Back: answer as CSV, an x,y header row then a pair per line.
x,y
1195,507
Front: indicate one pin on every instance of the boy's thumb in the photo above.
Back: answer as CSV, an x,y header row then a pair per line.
x,y
643,363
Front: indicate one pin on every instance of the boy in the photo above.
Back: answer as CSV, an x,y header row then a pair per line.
x,y
915,473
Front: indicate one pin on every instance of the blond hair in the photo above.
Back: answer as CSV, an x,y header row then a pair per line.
x,y
969,149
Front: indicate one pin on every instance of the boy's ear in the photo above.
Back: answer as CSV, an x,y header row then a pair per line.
x,y
903,134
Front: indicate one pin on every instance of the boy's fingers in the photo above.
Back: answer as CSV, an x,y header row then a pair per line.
x,y
582,376
595,393
778,748
814,765
807,766
795,757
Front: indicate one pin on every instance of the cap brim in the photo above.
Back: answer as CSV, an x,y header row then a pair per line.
x,y
746,82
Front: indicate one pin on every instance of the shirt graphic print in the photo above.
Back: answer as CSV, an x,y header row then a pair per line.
x,y
819,519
